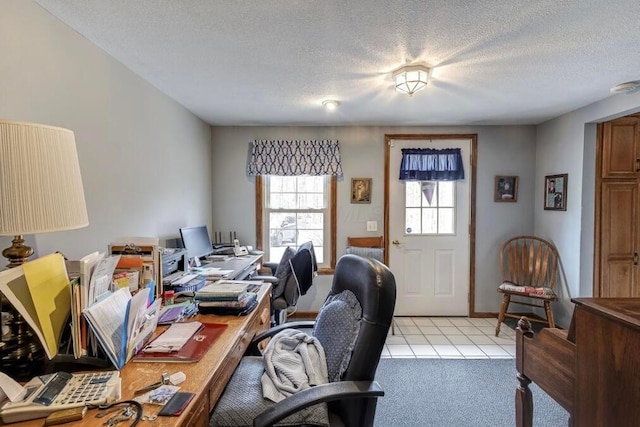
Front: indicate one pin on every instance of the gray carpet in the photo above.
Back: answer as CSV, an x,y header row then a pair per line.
x,y
456,393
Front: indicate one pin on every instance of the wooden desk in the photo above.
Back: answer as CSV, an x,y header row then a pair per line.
x,y
592,370
607,362
206,378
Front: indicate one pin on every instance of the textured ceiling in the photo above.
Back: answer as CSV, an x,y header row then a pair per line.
x,y
267,62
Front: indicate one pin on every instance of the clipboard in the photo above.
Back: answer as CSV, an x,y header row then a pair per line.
x,y
192,351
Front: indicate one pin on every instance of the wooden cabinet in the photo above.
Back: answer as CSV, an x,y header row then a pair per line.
x,y
618,209
620,151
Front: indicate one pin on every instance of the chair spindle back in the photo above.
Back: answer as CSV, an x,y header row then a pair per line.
x,y
529,261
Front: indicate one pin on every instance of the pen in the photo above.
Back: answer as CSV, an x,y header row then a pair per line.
x,y
165,380
159,349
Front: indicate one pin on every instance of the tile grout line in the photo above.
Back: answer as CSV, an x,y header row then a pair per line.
x,y
493,349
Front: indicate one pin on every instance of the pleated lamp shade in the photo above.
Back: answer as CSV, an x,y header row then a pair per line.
x,y
40,182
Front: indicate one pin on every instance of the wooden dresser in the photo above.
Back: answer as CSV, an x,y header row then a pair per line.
x,y
592,370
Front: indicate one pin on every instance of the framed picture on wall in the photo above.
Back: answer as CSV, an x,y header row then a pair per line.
x,y
555,192
360,190
506,189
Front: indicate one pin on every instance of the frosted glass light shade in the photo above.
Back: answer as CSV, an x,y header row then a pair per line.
x,y
40,182
411,79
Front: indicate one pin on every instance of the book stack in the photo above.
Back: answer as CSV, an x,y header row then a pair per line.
x,y
227,297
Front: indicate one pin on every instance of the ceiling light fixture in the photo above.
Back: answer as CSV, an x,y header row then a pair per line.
x,y
627,87
411,78
330,104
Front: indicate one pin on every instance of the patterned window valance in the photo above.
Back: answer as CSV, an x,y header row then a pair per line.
x,y
428,164
290,158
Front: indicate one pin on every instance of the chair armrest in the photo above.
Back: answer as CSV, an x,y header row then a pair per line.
x,y
273,266
338,390
253,349
269,279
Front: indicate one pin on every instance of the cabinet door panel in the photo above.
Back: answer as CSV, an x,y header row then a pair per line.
x,y
620,156
619,239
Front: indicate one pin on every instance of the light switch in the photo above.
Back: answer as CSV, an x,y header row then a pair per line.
x,y
372,225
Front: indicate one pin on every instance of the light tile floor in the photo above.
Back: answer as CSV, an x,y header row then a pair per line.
x,y
449,338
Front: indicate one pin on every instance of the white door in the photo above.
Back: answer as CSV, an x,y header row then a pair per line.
x,y
429,237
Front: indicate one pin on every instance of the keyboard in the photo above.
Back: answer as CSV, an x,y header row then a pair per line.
x,y
62,390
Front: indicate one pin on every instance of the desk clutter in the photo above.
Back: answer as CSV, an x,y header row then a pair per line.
x,y
101,312
228,297
45,395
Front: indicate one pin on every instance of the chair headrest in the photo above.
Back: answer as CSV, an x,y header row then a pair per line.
x,y
371,282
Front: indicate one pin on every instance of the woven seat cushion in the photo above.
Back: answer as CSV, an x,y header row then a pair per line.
x,y
337,327
528,291
242,401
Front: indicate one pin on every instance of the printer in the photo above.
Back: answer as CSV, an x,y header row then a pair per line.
x,y
174,259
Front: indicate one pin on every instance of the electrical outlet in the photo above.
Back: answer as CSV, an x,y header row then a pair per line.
x,y
372,225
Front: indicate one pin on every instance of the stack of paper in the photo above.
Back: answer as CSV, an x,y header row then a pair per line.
x,y
212,273
223,290
82,270
123,323
227,294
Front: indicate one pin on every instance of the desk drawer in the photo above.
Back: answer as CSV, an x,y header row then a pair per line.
x,y
230,363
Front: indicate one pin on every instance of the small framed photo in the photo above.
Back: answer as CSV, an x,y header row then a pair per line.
x,y
360,190
555,192
506,189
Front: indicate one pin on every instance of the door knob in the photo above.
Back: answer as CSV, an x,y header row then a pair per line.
x,y
395,242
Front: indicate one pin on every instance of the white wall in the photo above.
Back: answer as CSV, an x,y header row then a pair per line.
x,y
507,150
145,160
567,145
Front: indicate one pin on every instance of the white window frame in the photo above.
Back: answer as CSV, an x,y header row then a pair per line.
x,y
263,226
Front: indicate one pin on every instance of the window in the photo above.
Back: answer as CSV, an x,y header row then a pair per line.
x,y
430,207
294,210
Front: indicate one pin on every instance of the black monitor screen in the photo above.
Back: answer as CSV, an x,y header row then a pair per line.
x,y
196,241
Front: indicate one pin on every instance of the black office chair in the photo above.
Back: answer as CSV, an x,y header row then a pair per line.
x,y
291,277
352,335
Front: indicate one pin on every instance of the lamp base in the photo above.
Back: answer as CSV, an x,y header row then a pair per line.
x,y
18,253
21,354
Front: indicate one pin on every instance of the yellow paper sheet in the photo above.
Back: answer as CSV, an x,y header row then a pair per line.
x,y
49,287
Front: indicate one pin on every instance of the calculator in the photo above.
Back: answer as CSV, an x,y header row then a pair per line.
x,y
62,390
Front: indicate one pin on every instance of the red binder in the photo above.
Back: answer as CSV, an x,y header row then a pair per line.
x,y
192,351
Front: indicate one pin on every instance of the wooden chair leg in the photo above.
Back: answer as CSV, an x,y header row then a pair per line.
x,y
503,309
549,313
393,326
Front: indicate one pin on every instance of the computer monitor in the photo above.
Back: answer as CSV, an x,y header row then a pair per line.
x,y
197,242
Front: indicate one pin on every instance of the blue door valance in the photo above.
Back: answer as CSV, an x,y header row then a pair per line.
x,y
428,164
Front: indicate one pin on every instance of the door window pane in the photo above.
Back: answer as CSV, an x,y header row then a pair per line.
x,y
430,207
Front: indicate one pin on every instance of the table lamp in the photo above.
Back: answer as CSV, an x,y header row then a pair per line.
x,y
40,191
